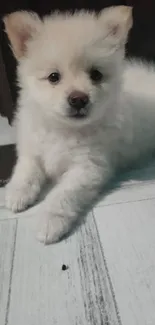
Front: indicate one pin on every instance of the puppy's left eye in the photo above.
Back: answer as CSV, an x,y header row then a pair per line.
x,y
54,77
95,75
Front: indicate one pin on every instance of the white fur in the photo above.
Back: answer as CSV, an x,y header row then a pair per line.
x,y
78,156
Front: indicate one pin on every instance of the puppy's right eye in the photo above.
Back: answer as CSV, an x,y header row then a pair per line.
x,y
95,75
54,77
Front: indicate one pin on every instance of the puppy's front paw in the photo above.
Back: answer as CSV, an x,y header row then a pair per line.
x,y
18,198
52,228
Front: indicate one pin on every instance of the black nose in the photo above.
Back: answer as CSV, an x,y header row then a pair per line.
x,y
78,100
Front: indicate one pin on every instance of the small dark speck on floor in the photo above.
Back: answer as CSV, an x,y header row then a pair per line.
x,y
65,267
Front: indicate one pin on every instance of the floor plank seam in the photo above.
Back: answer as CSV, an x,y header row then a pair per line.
x,y
124,202
11,275
10,218
136,185
108,275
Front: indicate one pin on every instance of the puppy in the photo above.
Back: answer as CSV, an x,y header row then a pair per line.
x,y
83,111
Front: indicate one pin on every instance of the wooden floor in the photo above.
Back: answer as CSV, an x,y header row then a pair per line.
x,y
110,261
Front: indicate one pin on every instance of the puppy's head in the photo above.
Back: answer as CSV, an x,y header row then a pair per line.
x,y
69,65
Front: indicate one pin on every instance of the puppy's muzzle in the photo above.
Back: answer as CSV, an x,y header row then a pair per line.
x,y
78,104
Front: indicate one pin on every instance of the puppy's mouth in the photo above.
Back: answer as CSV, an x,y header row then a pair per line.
x,y
79,114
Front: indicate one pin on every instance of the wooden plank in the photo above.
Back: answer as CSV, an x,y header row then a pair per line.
x,y
44,294
137,184
134,185
7,247
132,193
2,198
5,214
127,233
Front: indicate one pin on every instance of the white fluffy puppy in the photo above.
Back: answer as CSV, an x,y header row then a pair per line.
x,y
82,110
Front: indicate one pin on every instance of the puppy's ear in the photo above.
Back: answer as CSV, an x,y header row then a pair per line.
x,y
21,27
116,22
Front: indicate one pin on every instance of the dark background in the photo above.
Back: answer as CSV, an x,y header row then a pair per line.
x,y
141,43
